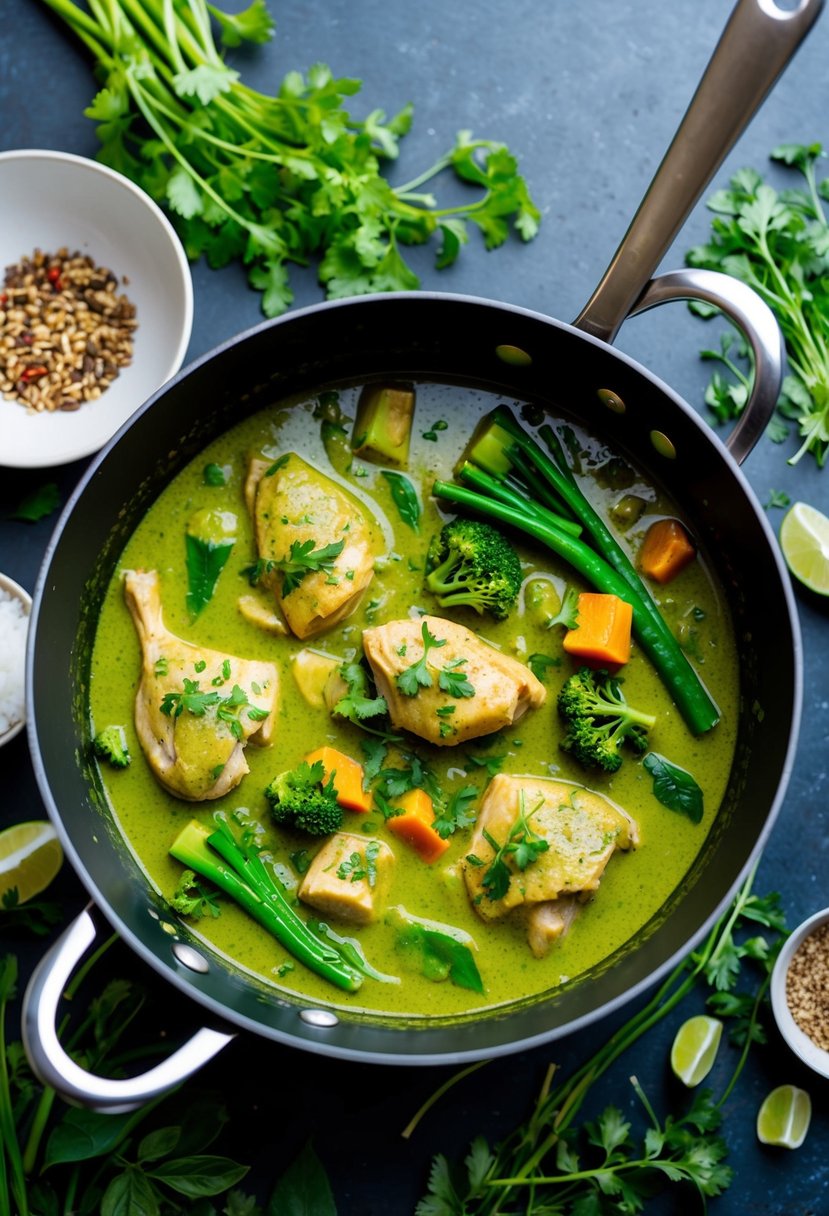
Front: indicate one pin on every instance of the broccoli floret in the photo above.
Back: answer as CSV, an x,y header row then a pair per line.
x,y
599,720
192,898
302,798
471,565
111,744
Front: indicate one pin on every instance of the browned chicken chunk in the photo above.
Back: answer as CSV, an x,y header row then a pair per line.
x,y
195,709
474,689
565,834
292,503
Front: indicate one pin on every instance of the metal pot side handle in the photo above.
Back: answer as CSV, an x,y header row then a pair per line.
x,y
55,1068
758,325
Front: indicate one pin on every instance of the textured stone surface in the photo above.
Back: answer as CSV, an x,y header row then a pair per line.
x,y
587,95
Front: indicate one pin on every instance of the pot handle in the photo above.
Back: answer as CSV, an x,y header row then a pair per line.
x,y
757,43
55,1068
759,326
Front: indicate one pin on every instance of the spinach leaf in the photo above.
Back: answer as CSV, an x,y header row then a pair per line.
x,y
674,787
205,562
405,498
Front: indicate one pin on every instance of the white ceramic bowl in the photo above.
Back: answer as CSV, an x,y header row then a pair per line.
x,y
49,200
797,1039
14,590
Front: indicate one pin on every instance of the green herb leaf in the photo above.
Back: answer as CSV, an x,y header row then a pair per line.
x,y
440,951
417,675
674,787
196,1177
541,664
205,561
405,498
38,504
214,475
458,813
304,1189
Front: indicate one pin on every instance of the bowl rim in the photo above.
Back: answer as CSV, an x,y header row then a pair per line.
x,y
89,446
14,589
798,1041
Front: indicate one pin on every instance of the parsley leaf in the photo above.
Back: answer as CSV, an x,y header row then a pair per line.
x,y
303,558
417,675
458,812
777,243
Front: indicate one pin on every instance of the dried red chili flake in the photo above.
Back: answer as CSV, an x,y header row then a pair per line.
x,y
34,373
53,275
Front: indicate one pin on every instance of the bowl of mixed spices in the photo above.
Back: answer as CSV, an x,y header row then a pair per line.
x,y
800,992
96,305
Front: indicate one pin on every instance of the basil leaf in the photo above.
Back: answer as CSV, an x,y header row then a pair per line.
x,y
405,498
84,1134
205,562
540,664
304,1189
439,955
199,1176
674,787
130,1192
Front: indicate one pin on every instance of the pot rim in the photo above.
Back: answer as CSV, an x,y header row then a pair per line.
x,y
315,1037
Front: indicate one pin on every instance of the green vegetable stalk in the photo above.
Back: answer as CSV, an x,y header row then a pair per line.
x,y
778,243
247,880
606,567
275,179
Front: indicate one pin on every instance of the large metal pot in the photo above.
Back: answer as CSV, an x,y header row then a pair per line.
x,y
450,339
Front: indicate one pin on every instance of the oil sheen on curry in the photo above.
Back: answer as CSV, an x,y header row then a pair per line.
x,y
411,702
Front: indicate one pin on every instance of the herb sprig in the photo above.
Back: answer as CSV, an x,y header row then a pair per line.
x,y
272,180
778,243
303,558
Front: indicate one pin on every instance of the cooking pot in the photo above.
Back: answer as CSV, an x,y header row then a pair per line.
x,y
453,340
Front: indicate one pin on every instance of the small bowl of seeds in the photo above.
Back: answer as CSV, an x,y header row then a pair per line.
x,y
800,992
96,305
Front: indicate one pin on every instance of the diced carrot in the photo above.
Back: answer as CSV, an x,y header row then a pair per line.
x,y
602,635
348,778
415,825
666,549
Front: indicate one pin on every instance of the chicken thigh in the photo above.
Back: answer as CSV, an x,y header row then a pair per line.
x,y
292,504
565,834
195,709
473,688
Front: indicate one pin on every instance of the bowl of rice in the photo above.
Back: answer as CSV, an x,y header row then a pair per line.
x,y
15,606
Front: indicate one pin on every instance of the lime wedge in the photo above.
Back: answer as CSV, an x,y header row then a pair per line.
x,y
694,1049
784,1116
30,857
804,539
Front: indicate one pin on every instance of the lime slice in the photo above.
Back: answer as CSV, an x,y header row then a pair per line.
x,y
804,539
30,857
694,1049
784,1117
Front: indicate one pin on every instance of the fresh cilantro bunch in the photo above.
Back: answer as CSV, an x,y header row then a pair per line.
x,y
275,179
777,243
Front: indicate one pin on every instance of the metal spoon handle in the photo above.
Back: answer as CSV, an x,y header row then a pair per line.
x,y
757,43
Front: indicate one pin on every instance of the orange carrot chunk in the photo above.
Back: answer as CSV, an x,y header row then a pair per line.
x,y
666,549
414,826
348,778
602,636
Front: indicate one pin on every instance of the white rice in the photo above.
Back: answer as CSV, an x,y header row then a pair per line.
x,y
14,625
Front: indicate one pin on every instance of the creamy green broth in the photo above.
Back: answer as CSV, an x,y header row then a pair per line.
x,y
635,885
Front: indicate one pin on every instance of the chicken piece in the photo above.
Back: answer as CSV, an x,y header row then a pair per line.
x,y
292,503
548,922
349,878
197,749
504,689
580,827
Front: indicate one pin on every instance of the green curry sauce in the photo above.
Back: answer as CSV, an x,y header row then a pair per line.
x,y
635,885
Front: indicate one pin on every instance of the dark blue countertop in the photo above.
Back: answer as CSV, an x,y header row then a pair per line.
x,y
588,96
